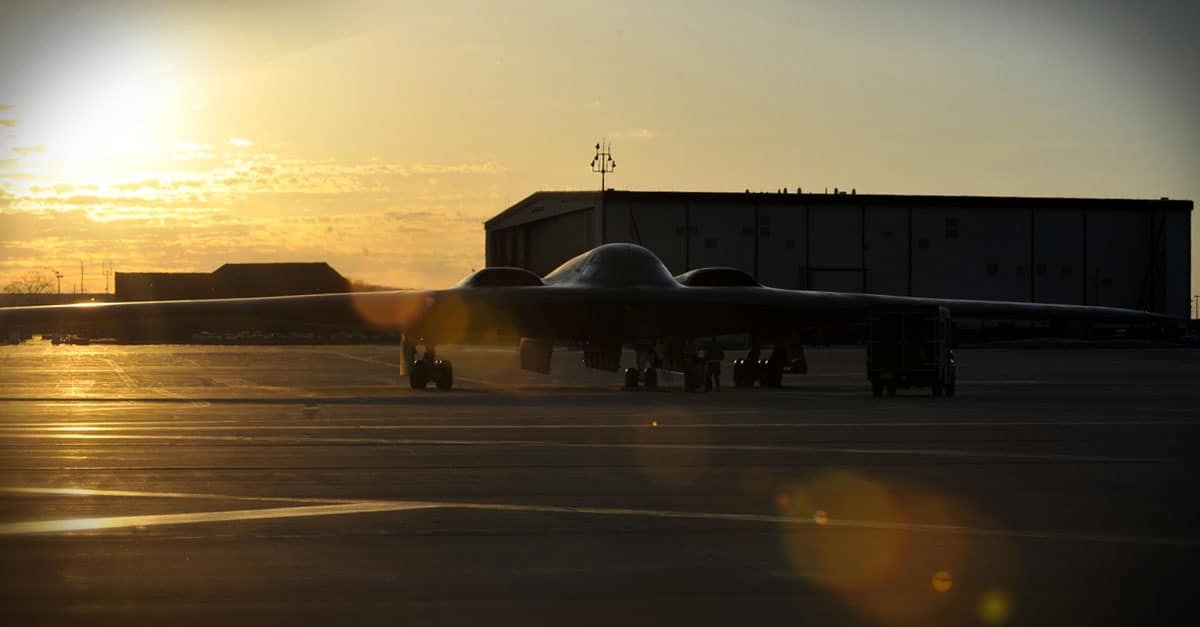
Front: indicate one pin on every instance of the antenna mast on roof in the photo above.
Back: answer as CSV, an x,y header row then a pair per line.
x,y
603,161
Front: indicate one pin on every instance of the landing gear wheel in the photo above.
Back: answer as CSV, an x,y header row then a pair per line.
x,y
418,374
767,374
443,374
631,378
650,378
743,373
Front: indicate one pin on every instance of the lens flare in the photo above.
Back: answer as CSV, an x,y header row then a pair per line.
x,y
860,545
676,457
995,607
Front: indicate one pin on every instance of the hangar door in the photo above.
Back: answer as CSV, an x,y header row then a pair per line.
x,y
556,239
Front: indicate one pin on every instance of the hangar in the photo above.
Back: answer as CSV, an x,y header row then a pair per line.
x,y
1130,253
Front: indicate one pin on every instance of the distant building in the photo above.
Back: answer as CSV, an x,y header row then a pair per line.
x,y
232,280
1116,252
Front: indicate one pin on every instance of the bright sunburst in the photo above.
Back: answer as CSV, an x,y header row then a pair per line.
x,y
122,113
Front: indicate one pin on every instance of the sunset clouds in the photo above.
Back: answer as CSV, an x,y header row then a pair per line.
x,y
384,222
378,136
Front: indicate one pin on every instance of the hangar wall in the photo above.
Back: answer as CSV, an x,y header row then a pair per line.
x,y
1124,253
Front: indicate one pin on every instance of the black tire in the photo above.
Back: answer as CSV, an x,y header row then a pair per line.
x,y
743,373
762,372
443,375
937,389
631,378
950,386
876,387
891,389
418,374
650,377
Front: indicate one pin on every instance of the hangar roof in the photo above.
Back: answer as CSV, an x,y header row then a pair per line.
x,y
875,200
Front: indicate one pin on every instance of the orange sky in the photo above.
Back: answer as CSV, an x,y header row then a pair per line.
x,y
379,136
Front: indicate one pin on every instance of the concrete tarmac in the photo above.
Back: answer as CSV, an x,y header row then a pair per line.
x,y
309,485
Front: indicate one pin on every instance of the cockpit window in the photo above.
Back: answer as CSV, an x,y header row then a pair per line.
x,y
568,270
614,265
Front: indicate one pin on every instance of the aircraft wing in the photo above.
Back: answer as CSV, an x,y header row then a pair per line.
x,y
391,310
585,313
555,312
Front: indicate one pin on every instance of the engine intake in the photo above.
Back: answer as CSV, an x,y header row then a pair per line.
x,y
717,277
501,277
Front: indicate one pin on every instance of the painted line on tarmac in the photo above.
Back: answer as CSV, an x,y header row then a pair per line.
x,y
161,495
756,448
120,372
834,523
373,506
148,520
665,424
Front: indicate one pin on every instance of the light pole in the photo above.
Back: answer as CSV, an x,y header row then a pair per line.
x,y
58,275
603,161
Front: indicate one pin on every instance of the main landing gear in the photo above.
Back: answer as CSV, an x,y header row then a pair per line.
x,y
646,372
646,377
428,369
768,373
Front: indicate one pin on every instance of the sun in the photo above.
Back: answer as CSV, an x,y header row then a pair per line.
x,y
107,116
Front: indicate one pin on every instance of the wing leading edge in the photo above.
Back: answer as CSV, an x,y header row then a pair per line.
x,y
614,292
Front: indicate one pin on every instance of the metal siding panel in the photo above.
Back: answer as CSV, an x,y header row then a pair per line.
x,y
553,241
1178,263
836,237
656,229
1118,256
661,229
958,267
616,222
886,251
778,265
727,225
1058,246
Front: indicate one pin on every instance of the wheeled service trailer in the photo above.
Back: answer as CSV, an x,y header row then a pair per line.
x,y
910,347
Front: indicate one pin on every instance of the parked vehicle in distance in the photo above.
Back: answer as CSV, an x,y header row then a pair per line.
x,y
910,347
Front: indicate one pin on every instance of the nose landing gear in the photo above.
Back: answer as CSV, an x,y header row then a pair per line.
x,y
427,369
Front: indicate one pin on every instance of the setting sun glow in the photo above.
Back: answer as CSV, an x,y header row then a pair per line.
x,y
378,138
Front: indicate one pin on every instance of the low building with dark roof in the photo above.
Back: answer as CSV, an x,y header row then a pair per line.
x,y
232,280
